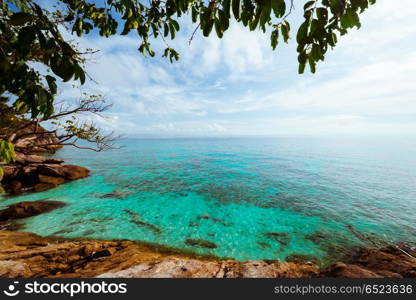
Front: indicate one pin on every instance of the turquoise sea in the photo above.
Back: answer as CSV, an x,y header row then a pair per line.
x,y
259,198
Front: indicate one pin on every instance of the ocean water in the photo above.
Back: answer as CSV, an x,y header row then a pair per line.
x,y
258,198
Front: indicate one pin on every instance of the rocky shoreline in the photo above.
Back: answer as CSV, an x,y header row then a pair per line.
x,y
29,255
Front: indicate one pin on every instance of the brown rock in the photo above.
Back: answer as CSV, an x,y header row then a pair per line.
x,y
51,179
28,209
29,158
10,172
349,271
41,187
73,172
53,161
13,269
27,175
15,187
51,170
49,257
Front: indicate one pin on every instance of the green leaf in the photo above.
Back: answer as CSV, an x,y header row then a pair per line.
x,y
218,28
274,38
224,20
302,57
312,65
51,83
226,4
301,68
208,27
265,12
302,34
175,24
308,4
26,36
236,8
285,32
20,18
279,8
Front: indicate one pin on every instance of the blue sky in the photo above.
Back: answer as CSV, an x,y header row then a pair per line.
x,y
238,86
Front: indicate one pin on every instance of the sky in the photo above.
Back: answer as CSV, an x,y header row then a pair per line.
x,y
238,86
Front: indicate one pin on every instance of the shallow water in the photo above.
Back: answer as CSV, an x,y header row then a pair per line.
x,y
252,198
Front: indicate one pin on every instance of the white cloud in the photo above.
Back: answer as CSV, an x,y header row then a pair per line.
x,y
239,86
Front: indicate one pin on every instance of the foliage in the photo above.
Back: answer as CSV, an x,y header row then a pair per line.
x,y
30,33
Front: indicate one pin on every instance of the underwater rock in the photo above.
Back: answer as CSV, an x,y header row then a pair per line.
x,y
201,243
316,237
281,237
302,258
29,209
213,219
67,230
138,222
263,245
116,194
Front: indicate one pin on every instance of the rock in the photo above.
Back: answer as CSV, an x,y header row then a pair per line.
x,y
301,258
25,159
51,170
116,194
27,175
282,238
349,271
193,268
168,268
41,187
201,243
28,209
52,257
13,269
9,172
393,259
73,172
15,187
51,179
53,161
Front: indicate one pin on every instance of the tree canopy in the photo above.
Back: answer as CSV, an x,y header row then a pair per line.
x,y
30,33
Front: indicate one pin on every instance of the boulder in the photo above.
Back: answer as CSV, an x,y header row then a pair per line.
x,y
10,171
29,158
51,179
73,172
28,209
27,175
51,170
13,269
53,161
349,271
15,187
41,187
